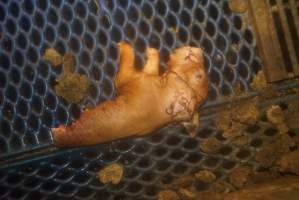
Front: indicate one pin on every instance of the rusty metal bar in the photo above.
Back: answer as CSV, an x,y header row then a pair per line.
x,y
268,44
286,31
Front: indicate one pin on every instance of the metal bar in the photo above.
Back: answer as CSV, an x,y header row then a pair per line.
x,y
294,8
267,40
285,37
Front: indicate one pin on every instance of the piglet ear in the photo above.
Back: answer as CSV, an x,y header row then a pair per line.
x,y
185,57
195,55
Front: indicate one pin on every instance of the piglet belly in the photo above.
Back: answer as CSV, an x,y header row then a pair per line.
x,y
111,120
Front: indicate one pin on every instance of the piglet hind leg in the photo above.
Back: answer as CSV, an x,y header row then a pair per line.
x,y
126,69
151,66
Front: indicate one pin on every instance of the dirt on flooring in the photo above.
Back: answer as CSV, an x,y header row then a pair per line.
x,y
52,56
111,174
71,86
210,145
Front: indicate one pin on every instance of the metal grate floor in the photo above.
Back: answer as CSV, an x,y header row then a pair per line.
x,y
91,30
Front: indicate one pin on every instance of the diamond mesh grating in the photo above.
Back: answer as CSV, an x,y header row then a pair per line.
x,y
149,162
91,30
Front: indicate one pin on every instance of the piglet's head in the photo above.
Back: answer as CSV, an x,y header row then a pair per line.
x,y
188,63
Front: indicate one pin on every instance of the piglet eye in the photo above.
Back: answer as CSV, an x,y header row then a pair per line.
x,y
198,76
